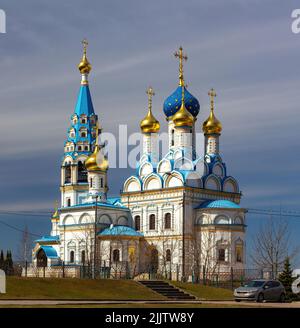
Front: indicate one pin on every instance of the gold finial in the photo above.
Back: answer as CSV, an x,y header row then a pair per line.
x,y
84,66
212,125
179,54
150,124
212,94
85,44
150,92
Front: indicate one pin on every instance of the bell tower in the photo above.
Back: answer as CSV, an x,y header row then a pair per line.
x,y
81,136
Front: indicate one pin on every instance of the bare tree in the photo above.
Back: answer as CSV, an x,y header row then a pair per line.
x,y
24,251
271,246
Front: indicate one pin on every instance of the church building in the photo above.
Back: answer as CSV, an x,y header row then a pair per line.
x,y
178,216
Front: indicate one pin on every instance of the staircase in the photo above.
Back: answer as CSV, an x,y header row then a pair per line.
x,y
167,290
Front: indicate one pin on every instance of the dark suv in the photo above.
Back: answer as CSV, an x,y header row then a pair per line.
x,y
260,290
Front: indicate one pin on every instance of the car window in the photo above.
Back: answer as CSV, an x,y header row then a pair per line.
x,y
254,283
276,284
269,284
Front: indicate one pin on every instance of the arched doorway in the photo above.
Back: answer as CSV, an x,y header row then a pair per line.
x,y
153,260
41,258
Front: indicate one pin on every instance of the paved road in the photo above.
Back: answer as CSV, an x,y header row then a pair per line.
x,y
69,302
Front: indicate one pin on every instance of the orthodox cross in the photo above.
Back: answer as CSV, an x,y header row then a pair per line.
x,y
212,94
179,54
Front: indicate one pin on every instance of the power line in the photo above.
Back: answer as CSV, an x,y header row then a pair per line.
x,y
18,229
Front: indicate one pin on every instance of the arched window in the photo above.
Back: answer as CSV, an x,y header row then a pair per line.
x,y
83,134
82,174
137,221
72,257
168,221
68,173
91,182
152,222
82,257
101,182
168,255
68,202
221,255
239,251
116,255
172,137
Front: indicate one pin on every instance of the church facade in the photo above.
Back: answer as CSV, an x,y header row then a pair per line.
x,y
177,216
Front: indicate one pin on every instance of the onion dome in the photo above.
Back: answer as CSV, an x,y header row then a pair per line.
x,y
212,125
173,102
183,117
96,161
149,124
84,66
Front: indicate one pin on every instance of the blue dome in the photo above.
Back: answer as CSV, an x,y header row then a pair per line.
x,y
222,203
173,103
120,231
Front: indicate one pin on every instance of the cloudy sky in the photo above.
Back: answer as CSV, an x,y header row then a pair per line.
x,y
245,49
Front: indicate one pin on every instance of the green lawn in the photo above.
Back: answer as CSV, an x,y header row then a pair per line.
x,y
54,288
108,289
205,292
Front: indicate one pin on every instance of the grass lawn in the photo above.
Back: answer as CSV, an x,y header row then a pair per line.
x,y
205,292
54,288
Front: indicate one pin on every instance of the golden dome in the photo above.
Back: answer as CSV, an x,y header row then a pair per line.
x,y
183,117
149,124
96,161
212,125
84,66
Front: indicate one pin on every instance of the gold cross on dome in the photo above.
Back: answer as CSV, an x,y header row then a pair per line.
x,y
179,54
85,44
150,92
212,94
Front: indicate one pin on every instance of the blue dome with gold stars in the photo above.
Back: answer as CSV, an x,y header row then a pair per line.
x,y
173,102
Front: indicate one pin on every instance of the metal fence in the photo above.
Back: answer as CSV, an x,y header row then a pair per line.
x,y
122,270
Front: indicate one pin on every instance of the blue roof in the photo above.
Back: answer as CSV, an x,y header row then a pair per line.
x,y
49,251
99,204
44,239
84,103
221,203
120,231
173,103
114,200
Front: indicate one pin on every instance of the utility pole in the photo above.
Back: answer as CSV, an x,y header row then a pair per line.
x,y
95,239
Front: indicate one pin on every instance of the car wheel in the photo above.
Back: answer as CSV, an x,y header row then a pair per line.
x,y
237,300
260,298
282,298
